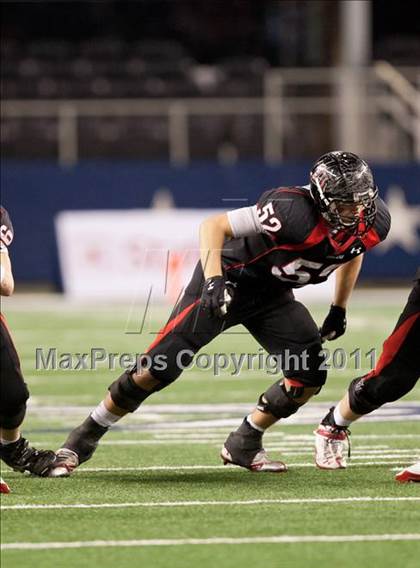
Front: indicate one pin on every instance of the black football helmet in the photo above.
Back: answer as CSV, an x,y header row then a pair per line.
x,y
343,187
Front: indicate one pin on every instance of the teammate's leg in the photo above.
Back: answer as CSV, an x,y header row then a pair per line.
x,y
287,330
14,449
188,329
396,373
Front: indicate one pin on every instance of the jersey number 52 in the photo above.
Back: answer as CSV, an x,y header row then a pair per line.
x,y
267,218
301,271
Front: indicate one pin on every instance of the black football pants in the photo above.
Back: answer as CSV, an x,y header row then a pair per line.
x,y
13,390
280,324
398,368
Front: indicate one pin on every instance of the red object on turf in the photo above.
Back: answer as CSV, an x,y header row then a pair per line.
x,y
411,473
4,488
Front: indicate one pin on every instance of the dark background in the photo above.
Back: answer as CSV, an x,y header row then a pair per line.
x,y
162,49
283,32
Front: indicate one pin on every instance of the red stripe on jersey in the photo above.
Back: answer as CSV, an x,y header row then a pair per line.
x,y
291,190
392,345
316,236
172,324
341,247
371,239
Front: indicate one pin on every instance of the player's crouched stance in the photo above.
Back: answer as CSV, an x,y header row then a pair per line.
x,y
396,373
15,451
251,259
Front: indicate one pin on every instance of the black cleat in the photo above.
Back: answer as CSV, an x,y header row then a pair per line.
x,y
78,448
22,457
65,464
244,448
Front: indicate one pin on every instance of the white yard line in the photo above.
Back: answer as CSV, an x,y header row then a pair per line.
x,y
228,468
339,500
359,436
211,431
160,416
290,448
283,539
185,441
354,457
397,455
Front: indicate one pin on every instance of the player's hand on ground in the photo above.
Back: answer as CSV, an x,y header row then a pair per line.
x,y
334,324
216,296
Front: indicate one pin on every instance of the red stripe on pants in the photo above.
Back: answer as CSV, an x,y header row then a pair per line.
x,y
172,324
392,345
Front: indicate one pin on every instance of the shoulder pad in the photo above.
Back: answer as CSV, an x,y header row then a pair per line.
x,y
382,222
294,209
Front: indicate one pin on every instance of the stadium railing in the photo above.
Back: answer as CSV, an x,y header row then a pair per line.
x,y
302,112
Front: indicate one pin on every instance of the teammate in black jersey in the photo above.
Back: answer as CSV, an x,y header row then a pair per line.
x,y
14,450
396,374
251,259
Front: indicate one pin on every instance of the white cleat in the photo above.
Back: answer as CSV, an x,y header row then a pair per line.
x,y
331,447
65,464
411,473
260,463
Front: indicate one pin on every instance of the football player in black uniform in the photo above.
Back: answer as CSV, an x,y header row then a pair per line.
x,y
396,373
251,259
14,450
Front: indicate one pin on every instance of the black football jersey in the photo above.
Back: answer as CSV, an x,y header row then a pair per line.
x,y
6,230
296,247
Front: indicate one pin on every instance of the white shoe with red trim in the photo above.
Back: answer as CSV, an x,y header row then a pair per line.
x,y
4,488
331,447
411,473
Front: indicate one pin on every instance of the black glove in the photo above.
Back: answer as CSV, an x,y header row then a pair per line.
x,y
216,296
334,324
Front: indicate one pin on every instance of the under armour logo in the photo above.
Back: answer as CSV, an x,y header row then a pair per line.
x,y
358,387
355,250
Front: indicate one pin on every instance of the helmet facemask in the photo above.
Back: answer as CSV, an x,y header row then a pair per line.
x,y
353,217
342,186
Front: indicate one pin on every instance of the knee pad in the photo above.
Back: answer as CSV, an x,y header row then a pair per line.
x,y
311,367
127,394
279,402
366,395
360,399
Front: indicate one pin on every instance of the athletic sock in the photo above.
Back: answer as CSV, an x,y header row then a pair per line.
x,y
253,425
245,429
102,416
339,418
4,442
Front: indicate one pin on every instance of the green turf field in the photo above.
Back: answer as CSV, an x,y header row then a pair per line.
x,y
156,494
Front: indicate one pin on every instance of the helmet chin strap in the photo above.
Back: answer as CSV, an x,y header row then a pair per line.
x,y
340,235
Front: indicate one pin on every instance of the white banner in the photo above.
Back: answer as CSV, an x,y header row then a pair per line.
x,y
136,254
